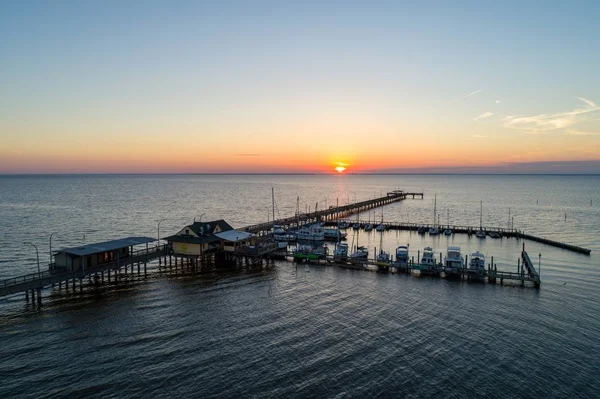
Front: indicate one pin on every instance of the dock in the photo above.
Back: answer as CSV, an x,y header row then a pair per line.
x,y
526,274
332,213
470,230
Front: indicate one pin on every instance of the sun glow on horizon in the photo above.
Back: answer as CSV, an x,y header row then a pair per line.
x,y
340,167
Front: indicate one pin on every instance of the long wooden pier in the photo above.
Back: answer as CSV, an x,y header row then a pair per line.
x,y
500,231
332,213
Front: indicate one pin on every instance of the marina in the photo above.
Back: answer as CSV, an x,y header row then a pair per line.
x,y
212,243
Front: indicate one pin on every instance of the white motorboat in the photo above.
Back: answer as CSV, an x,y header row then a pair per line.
x,y
454,262
476,265
341,252
334,234
311,233
428,265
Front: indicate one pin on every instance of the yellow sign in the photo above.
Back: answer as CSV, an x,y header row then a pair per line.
x,y
183,247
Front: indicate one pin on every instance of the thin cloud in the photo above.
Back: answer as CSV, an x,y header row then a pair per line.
x,y
468,95
483,116
497,101
579,133
547,122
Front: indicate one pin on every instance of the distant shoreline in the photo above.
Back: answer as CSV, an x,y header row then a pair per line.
x,y
289,174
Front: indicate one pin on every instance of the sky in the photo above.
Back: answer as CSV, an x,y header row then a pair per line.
x,y
261,86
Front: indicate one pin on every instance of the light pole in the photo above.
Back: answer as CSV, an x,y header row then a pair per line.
x,y
51,247
158,232
37,254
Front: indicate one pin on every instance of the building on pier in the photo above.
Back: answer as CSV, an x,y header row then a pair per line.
x,y
208,237
96,255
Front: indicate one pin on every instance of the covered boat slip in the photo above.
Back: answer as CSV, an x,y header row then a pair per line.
x,y
78,262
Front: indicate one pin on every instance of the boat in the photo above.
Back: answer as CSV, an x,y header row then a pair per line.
x,y
476,267
495,234
383,258
282,244
341,253
368,227
356,226
343,226
433,231
334,234
285,237
422,230
381,226
480,233
308,252
453,263
448,230
311,233
428,265
360,255
401,261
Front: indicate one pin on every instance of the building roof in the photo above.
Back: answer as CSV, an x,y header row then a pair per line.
x,y
209,227
99,247
204,239
234,235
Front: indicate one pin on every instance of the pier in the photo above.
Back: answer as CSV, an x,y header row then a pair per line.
x,y
525,274
332,213
470,230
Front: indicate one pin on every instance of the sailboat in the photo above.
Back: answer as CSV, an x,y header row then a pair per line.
x,y
361,254
434,230
369,226
381,226
480,233
383,258
448,230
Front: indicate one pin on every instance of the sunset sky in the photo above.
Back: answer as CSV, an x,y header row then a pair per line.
x,y
256,86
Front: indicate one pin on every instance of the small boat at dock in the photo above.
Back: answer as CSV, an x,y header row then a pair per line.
x,y
422,230
453,263
341,253
401,262
476,269
308,253
311,233
428,266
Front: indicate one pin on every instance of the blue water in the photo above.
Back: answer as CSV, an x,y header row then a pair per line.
x,y
316,331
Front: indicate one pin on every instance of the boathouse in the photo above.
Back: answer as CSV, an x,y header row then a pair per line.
x,y
99,255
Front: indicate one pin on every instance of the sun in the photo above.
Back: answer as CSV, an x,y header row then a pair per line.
x,y
340,167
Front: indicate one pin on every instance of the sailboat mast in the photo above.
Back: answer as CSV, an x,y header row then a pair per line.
x,y
434,207
481,215
273,198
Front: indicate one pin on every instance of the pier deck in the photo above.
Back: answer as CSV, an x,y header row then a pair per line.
x,y
491,275
37,281
332,213
503,232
